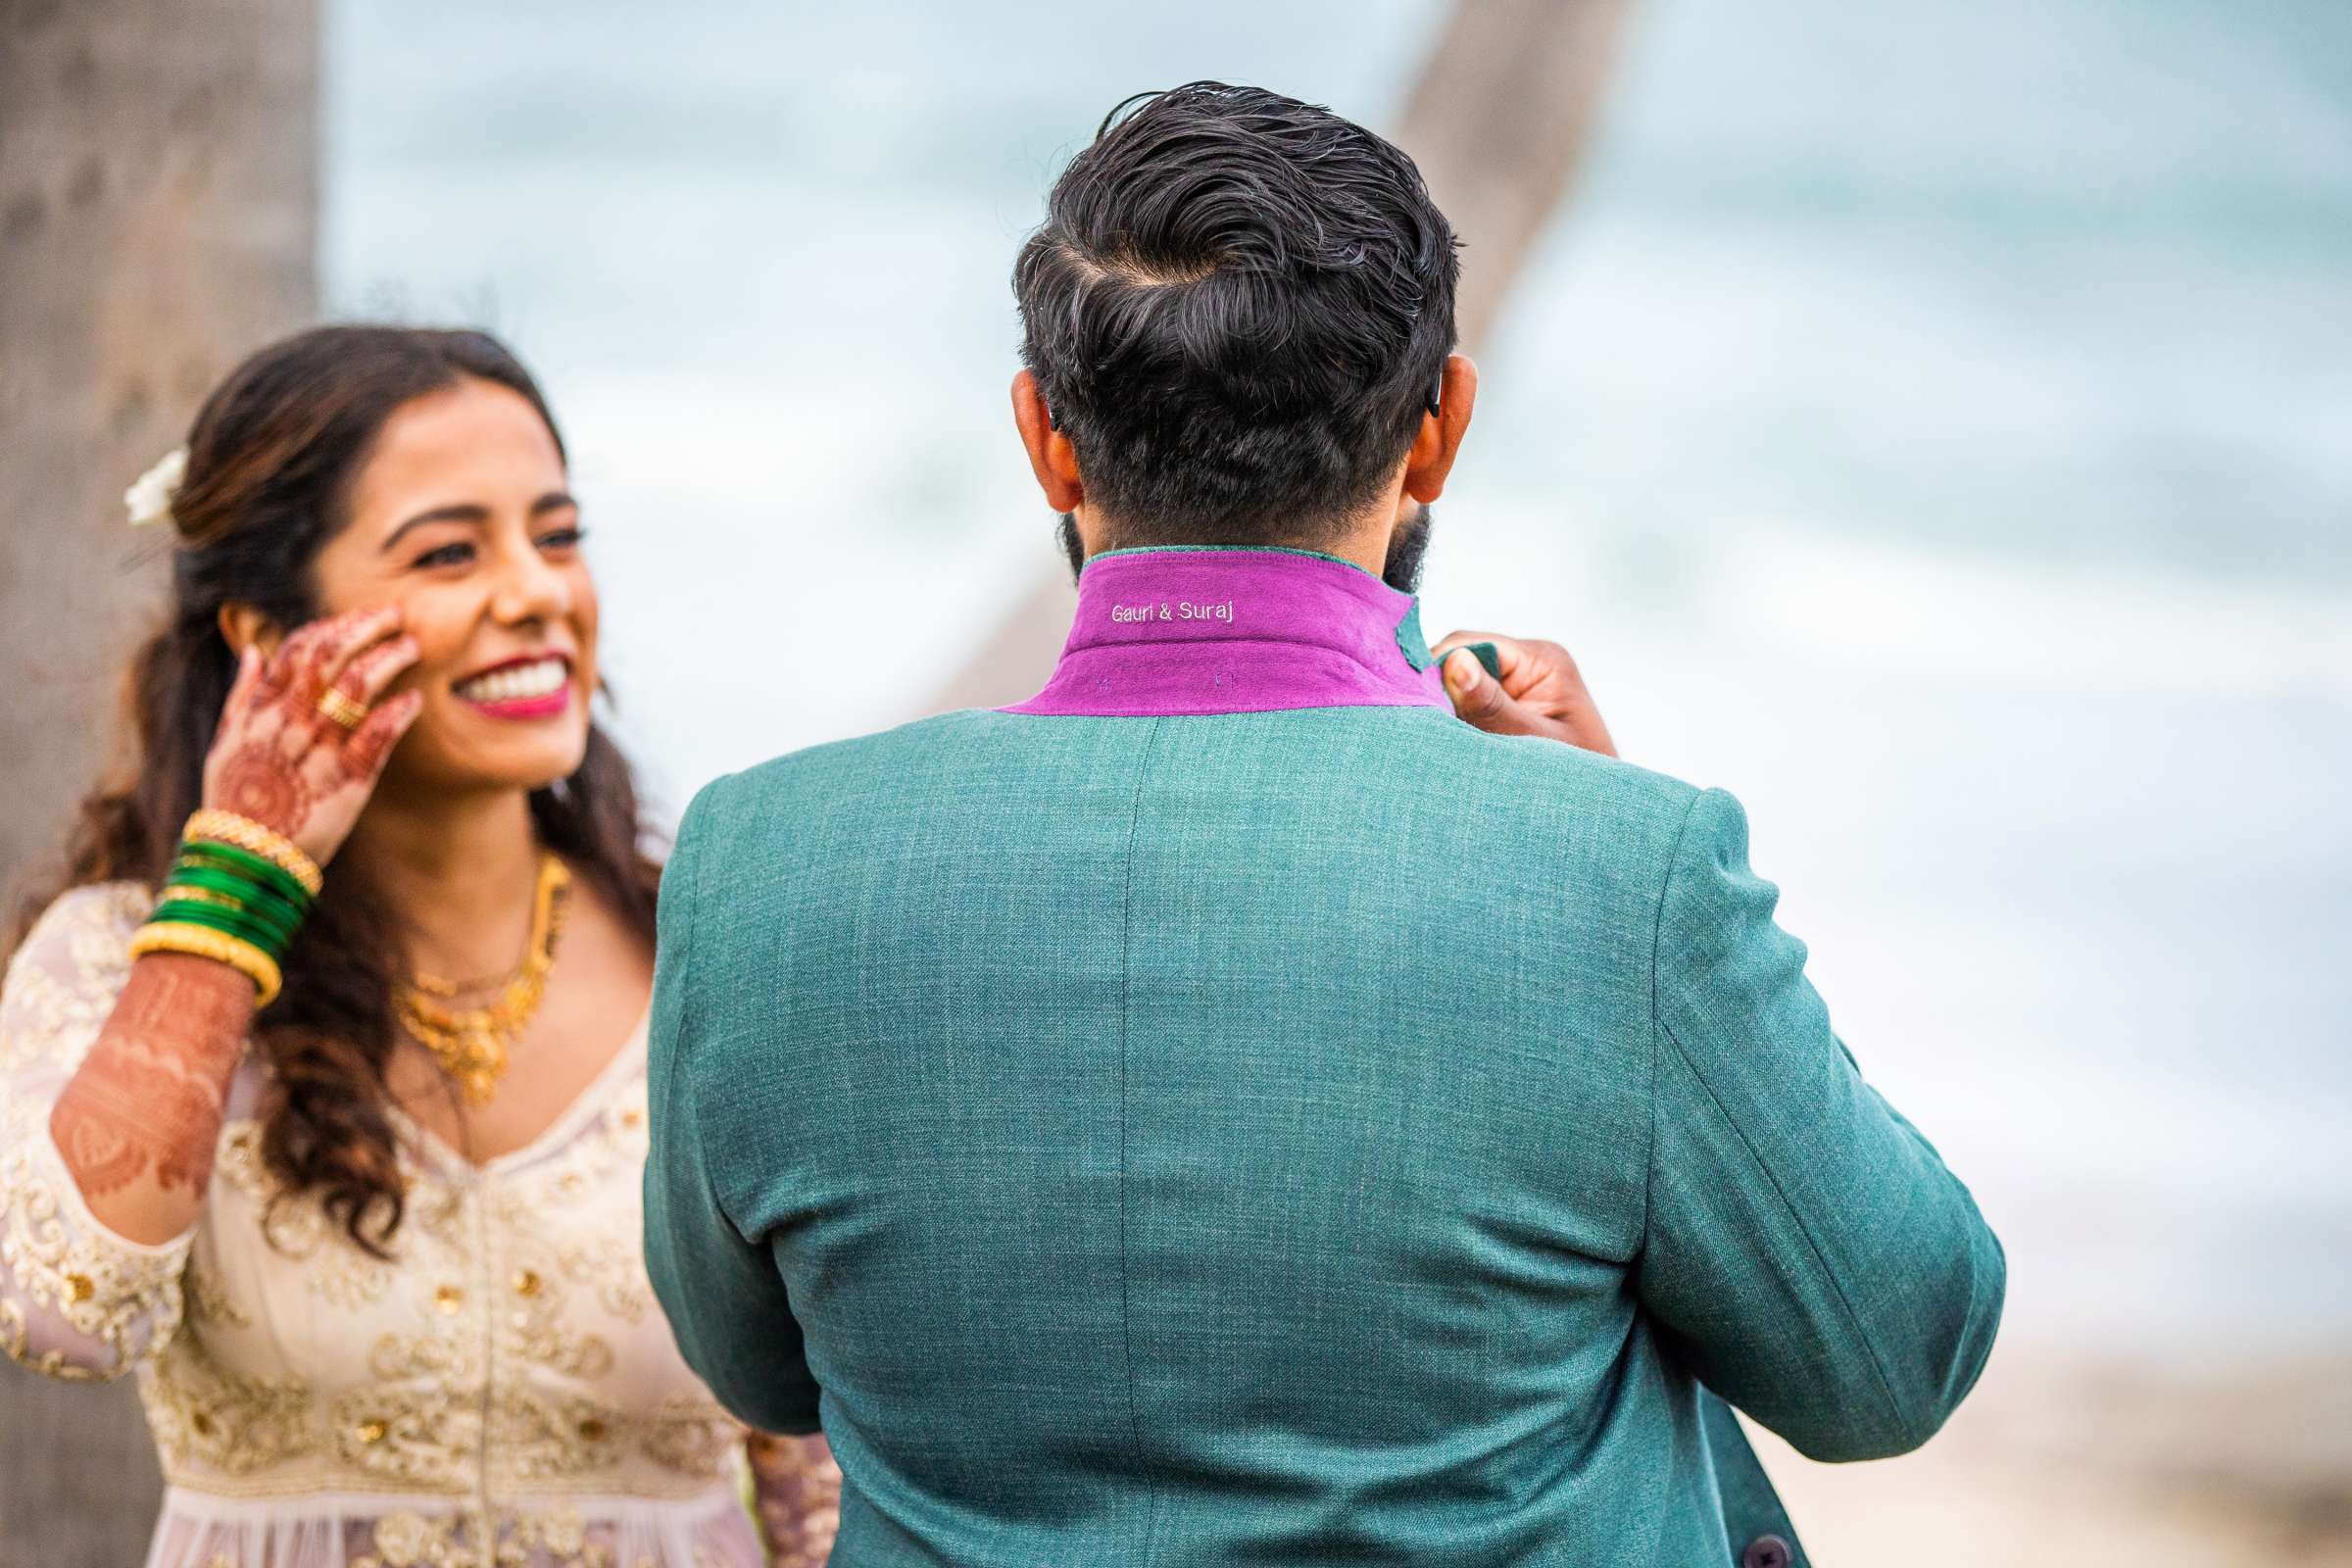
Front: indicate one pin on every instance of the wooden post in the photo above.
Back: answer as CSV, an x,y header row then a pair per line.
x,y
1502,114
157,219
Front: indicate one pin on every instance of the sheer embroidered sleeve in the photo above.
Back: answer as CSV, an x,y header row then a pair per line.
x,y
77,1301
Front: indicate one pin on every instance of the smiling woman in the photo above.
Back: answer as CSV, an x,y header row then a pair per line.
x,y
368,1234
461,518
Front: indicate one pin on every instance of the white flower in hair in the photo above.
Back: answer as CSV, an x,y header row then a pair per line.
x,y
150,500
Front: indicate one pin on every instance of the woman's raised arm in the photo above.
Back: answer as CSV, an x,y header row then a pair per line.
x,y
118,1070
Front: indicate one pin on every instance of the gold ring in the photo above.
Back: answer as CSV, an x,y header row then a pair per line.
x,y
341,708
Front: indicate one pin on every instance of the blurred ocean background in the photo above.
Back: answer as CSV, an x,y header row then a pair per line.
x,y
1931,421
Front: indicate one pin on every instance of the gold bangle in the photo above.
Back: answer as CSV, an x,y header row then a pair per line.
x,y
203,941
227,827
346,713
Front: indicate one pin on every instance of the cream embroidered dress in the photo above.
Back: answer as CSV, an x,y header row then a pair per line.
x,y
506,1392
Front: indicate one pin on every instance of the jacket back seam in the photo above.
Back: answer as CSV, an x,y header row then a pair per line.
x,y
1135,1422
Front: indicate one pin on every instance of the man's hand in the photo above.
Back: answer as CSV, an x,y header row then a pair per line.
x,y
1540,692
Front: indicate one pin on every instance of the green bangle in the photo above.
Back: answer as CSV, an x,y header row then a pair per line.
x,y
251,867
230,922
269,873
182,911
249,894
198,912
281,927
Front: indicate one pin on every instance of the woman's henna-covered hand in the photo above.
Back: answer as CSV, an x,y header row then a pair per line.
x,y
281,761
796,1490
137,1123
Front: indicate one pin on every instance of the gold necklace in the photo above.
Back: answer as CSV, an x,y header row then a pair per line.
x,y
472,1045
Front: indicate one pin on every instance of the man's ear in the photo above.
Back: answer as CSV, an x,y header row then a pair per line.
x,y
244,626
1440,438
1052,458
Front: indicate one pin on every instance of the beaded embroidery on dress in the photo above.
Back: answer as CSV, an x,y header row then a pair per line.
x,y
503,1392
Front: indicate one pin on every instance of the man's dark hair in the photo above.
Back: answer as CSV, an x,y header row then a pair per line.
x,y
1237,309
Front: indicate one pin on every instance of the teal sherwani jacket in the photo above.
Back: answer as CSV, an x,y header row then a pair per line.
x,y
1226,1110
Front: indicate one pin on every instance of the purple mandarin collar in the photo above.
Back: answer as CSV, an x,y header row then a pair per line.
x,y
1234,629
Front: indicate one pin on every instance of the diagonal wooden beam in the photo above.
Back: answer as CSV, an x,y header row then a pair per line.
x,y
1499,119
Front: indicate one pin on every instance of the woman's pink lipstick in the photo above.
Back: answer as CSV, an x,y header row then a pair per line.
x,y
535,705
548,707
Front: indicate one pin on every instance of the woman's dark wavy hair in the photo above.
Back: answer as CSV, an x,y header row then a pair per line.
x,y
1237,308
272,460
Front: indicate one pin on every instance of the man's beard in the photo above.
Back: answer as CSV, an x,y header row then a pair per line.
x,y
1401,571
1406,545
